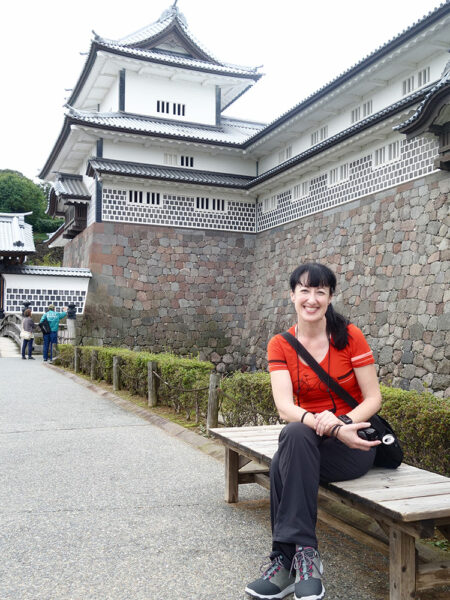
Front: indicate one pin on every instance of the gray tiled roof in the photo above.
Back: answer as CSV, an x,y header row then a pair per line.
x,y
71,186
179,60
53,271
436,90
230,131
170,18
131,169
433,16
16,236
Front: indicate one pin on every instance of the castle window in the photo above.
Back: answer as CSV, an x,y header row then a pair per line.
x,y
367,108
135,196
178,109
423,77
162,106
284,154
356,114
170,159
388,153
153,198
187,161
338,174
319,135
269,203
300,190
210,204
408,85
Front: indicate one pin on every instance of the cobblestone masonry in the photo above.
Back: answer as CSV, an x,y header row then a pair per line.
x,y
224,294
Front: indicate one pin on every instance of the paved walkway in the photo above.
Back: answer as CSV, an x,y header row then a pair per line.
x,y
98,503
8,348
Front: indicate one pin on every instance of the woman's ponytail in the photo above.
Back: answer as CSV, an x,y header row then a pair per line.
x,y
337,327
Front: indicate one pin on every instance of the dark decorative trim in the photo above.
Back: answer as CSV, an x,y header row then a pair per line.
x,y
218,102
99,152
122,90
98,200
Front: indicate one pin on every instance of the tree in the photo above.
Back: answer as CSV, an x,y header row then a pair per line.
x,y
18,194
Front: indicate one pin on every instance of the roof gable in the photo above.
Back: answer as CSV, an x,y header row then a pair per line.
x,y
169,33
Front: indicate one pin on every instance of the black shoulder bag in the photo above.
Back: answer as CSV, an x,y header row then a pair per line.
x,y
44,326
389,453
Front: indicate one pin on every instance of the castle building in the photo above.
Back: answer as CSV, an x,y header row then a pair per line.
x,y
191,221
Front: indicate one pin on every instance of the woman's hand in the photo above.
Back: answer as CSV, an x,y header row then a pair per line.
x,y
348,435
324,421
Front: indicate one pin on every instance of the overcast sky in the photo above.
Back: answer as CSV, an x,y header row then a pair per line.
x,y
302,45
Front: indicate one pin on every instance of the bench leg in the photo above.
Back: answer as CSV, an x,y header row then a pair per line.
x,y
231,475
402,565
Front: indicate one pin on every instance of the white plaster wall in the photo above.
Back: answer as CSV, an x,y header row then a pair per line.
x,y
381,97
203,159
110,102
46,281
143,91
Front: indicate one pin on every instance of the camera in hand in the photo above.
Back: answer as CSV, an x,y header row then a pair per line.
x,y
369,434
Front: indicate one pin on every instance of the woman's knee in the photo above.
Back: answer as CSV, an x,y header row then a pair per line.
x,y
297,432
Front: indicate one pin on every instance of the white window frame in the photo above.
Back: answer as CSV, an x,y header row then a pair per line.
x,y
284,154
301,190
269,203
388,153
210,205
367,108
423,77
170,160
356,114
408,85
338,174
187,161
319,135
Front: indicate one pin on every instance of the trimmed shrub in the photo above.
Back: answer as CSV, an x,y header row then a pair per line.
x,y
183,382
422,422
247,400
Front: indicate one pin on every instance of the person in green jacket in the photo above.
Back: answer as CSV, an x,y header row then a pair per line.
x,y
51,339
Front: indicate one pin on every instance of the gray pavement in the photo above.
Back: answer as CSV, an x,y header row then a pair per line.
x,y
98,503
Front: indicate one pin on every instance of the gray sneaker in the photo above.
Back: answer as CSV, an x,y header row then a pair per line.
x,y
308,574
276,581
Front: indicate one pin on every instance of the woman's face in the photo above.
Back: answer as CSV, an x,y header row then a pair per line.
x,y
310,303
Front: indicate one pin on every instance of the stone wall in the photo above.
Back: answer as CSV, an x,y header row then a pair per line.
x,y
225,294
166,289
391,254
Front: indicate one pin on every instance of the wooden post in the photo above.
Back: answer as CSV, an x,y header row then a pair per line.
x,y
231,475
94,357
152,395
77,359
212,419
116,373
402,565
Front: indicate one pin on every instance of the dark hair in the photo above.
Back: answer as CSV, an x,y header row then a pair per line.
x,y
27,313
318,275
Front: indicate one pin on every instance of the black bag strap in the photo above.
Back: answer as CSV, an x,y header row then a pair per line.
x,y
321,373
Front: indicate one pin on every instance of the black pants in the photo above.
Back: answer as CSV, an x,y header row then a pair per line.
x,y
302,461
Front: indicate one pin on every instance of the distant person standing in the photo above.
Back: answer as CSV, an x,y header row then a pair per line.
x,y
51,339
26,334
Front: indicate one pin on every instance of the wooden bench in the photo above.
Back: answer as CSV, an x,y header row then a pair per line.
x,y
398,506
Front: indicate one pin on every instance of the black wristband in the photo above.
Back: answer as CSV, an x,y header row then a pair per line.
x,y
307,412
345,419
335,429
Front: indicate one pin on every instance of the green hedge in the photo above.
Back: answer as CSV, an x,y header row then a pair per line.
x,y
421,420
176,374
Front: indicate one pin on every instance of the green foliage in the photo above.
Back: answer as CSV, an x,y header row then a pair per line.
x,y
18,194
177,376
247,400
422,422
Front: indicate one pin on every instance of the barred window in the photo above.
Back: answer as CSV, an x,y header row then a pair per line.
x,y
211,204
170,159
269,203
408,85
423,77
162,106
301,190
187,161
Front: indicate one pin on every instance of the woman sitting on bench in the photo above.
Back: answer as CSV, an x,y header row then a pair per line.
x,y
320,443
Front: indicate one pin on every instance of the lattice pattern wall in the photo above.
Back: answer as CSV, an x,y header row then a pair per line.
x,y
178,211
416,159
40,299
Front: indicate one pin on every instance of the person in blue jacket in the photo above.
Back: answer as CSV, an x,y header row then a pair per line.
x,y
51,339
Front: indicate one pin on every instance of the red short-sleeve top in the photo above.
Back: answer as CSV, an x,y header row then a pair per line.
x,y
307,387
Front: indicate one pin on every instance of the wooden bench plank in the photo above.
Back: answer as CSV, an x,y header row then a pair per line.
x,y
407,492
